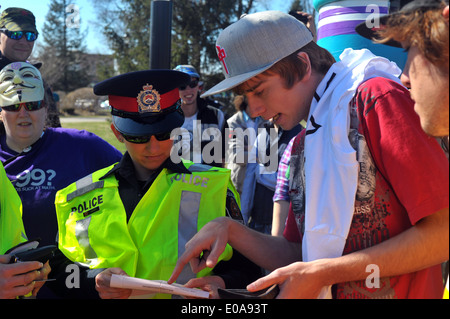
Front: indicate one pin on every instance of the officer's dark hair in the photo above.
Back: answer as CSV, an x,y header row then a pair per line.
x,y
2,127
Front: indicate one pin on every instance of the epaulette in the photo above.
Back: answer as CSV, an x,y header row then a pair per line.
x,y
232,208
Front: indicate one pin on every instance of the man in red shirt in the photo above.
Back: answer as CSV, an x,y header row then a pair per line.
x,y
369,189
421,28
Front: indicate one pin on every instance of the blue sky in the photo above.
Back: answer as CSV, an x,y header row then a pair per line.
x,y
95,41
40,9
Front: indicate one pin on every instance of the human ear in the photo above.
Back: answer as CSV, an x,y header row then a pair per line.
x,y
304,57
116,133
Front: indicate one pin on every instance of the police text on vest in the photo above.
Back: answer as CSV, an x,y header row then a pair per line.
x,y
88,207
191,179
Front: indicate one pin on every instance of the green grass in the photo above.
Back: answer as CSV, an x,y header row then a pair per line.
x,y
101,129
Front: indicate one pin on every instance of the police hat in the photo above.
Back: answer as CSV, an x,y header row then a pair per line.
x,y
145,102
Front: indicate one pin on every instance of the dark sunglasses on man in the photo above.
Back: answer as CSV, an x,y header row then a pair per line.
x,y
145,139
17,35
29,106
192,85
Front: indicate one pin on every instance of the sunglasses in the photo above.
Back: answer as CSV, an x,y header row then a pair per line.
x,y
17,35
192,85
145,139
29,106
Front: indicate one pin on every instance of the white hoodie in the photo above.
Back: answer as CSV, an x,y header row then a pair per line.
x,y
331,167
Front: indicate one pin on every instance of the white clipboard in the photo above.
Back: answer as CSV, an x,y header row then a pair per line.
x,y
144,286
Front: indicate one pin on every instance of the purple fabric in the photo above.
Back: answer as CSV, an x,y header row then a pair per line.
x,y
338,28
282,188
349,10
59,158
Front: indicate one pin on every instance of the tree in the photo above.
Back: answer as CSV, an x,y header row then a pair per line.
x,y
196,24
63,48
303,5
128,33
195,28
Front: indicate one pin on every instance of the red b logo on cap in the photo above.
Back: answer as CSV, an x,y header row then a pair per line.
x,y
222,55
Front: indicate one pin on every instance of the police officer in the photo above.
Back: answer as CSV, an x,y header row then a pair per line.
x,y
135,217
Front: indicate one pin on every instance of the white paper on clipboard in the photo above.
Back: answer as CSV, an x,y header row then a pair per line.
x,y
155,287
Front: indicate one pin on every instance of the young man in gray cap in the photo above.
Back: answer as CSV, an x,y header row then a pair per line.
x,y
135,217
360,202
18,35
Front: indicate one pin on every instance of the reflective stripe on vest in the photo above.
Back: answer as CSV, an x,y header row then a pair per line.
x,y
82,235
85,185
93,228
12,231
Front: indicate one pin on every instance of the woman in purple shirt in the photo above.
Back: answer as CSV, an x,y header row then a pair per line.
x,y
39,161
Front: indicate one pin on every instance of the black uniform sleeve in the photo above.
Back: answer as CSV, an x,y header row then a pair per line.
x,y
232,208
239,271
72,280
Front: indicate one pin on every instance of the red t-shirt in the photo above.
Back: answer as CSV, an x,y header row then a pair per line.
x,y
403,177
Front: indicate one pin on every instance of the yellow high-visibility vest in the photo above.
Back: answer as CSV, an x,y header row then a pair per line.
x,y
93,228
446,290
12,231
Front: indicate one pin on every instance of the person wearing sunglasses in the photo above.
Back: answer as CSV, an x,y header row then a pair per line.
x,y
18,34
201,115
40,160
134,218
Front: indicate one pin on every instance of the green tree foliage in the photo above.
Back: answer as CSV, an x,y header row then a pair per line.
x,y
126,27
63,48
303,5
196,24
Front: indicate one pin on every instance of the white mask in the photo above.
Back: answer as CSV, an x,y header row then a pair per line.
x,y
20,82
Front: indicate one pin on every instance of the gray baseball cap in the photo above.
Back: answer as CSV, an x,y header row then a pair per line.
x,y
255,43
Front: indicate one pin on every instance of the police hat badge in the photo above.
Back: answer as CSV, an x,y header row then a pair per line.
x,y
145,102
149,100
